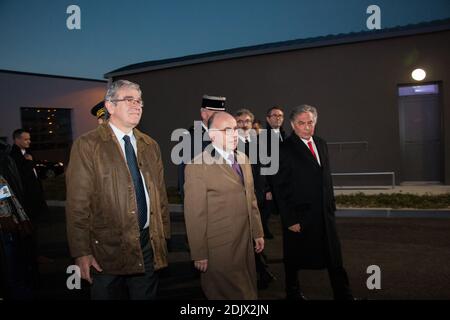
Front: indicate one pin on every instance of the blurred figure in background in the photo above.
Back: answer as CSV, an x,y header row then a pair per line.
x,y
34,202
257,126
99,111
248,140
18,269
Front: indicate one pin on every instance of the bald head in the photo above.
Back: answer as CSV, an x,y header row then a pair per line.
x,y
217,118
222,131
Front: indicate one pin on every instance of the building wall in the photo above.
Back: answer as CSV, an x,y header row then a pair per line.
x,y
25,90
354,87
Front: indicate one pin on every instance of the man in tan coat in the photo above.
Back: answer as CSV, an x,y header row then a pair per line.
x,y
222,218
116,210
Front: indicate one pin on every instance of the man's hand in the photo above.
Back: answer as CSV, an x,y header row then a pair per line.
x,y
269,196
85,263
295,228
201,265
28,156
259,245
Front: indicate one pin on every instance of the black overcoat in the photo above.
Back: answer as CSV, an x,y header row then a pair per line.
x,y
304,193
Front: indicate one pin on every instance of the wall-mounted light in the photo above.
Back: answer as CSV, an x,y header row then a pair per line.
x,y
418,74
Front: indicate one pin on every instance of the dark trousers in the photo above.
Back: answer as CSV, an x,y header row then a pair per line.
x,y
338,279
266,209
134,287
17,267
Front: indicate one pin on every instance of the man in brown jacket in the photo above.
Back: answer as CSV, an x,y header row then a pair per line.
x,y
221,214
117,210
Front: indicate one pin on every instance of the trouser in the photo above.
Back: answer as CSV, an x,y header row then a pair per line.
x,y
338,279
260,262
134,287
266,210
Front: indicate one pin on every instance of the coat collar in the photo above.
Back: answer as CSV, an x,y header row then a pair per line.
x,y
303,149
216,158
106,133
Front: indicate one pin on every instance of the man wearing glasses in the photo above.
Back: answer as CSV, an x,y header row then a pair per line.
x,y
118,239
249,144
222,216
274,126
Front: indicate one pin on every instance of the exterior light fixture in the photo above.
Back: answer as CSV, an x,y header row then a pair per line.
x,y
418,74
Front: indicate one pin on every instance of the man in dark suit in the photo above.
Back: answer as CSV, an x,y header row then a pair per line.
x,y
8,169
304,193
274,126
34,201
210,105
248,143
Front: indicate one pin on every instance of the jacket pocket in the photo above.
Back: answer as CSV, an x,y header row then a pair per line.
x,y
106,248
108,202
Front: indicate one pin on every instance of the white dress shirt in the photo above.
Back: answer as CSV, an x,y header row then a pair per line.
x,y
119,135
224,154
314,147
277,131
245,139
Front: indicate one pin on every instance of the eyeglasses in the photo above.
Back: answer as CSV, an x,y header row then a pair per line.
x,y
248,121
130,101
276,116
228,131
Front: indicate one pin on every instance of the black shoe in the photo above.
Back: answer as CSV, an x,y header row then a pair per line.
x,y
268,276
264,279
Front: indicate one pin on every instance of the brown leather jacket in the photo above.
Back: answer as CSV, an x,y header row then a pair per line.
x,y
101,205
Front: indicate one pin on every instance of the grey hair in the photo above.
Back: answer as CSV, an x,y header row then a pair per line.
x,y
241,112
119,84
302,109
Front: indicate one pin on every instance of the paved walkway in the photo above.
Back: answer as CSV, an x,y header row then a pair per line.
x,y
413,254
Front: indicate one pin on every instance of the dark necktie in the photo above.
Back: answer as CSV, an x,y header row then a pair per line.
x,y
236,167
137,181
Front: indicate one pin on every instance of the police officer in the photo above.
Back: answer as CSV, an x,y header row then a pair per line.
x,y
210,105
100,112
